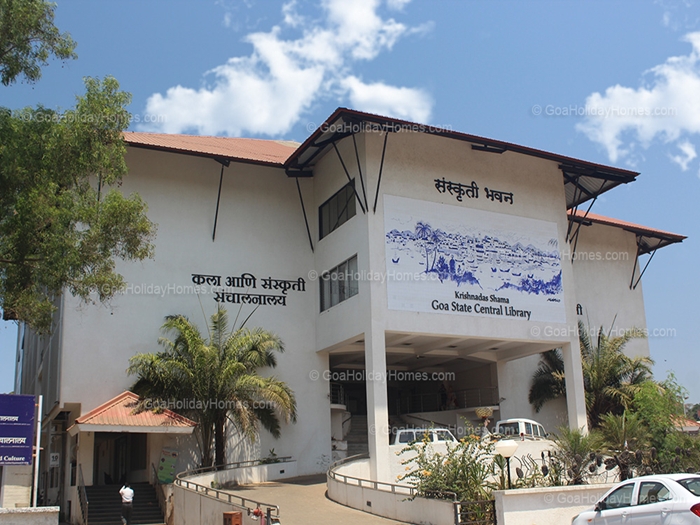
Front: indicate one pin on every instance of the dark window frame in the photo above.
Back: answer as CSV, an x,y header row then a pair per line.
x,y
345,199
339,284
619,504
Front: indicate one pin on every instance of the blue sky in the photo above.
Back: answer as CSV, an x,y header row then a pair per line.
x,y
563,76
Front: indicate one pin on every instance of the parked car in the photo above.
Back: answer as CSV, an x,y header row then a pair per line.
x,y
526,428
663,499
406,436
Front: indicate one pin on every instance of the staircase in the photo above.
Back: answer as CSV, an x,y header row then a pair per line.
x,y
105,505
357,437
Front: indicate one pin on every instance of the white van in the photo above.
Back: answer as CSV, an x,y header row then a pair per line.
x,y
406,436
526,428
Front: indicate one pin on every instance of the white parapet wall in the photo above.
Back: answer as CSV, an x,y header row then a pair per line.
x,y
197,501
192,508
545,505
349,486
30,516
247,475
16,486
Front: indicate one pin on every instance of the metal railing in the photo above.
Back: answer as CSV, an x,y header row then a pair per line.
x,y
367,483
465,512
482,512
234,499
158,486
82,496
338,395
459,399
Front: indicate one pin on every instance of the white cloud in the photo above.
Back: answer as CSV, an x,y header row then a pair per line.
x,y
688,153
401,102
667,108
291,17
268,91
397,5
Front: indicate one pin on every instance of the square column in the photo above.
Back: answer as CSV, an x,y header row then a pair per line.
x,y
377,404
575,391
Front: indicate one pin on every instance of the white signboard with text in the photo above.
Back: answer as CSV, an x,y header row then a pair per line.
x,y
462,261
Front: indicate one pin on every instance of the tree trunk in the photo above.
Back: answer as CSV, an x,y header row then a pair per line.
x,y
206,442
220,440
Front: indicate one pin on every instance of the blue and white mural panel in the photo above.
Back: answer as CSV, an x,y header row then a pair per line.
x,y
454,260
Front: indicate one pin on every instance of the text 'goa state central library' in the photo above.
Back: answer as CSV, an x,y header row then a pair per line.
x,y
450,267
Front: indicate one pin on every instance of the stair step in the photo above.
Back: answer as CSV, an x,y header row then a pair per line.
x,y
105,507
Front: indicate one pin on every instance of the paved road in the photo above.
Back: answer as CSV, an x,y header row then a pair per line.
x,y
303,501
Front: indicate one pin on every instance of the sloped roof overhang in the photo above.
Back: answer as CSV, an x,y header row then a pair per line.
x,y
648,239
123,414
222,149
583,180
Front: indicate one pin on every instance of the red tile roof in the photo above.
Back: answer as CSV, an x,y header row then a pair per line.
x,y
256,151
120,411
630,226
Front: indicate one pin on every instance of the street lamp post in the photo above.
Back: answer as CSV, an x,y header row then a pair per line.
x,y
506,448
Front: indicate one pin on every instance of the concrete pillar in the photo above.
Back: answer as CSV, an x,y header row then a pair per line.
x,y
377,403
575,392
86,455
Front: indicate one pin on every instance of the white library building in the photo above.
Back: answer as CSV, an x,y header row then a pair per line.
x,y
414,275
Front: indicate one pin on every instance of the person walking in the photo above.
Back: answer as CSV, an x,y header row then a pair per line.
x,y
127,494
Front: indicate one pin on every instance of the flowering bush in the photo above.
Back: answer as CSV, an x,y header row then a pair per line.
x,y
461,472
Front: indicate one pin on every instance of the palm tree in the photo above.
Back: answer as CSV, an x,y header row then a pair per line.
x,y
218,378
424,232
610,378
435,240
548,380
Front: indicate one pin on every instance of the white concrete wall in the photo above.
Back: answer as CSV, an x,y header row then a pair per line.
x,y
16,486
392,505
348,319
413,161
30,516
514,381
545,506
192,508
248,475
603,266
261,231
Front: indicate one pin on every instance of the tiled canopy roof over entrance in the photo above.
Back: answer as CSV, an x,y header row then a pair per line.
x,y
121,414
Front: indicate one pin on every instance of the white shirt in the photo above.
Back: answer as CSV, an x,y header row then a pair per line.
x,y
127,494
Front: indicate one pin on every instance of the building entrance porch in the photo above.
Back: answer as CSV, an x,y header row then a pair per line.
x,y
417,380
120,457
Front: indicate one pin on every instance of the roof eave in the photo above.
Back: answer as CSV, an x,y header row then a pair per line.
x,y
138,429
355,121
222,159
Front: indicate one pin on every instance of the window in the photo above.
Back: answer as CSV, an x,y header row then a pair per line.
x,y
339,283
652,492
407,437
691,484
621,497
510,429
337,210
444,436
